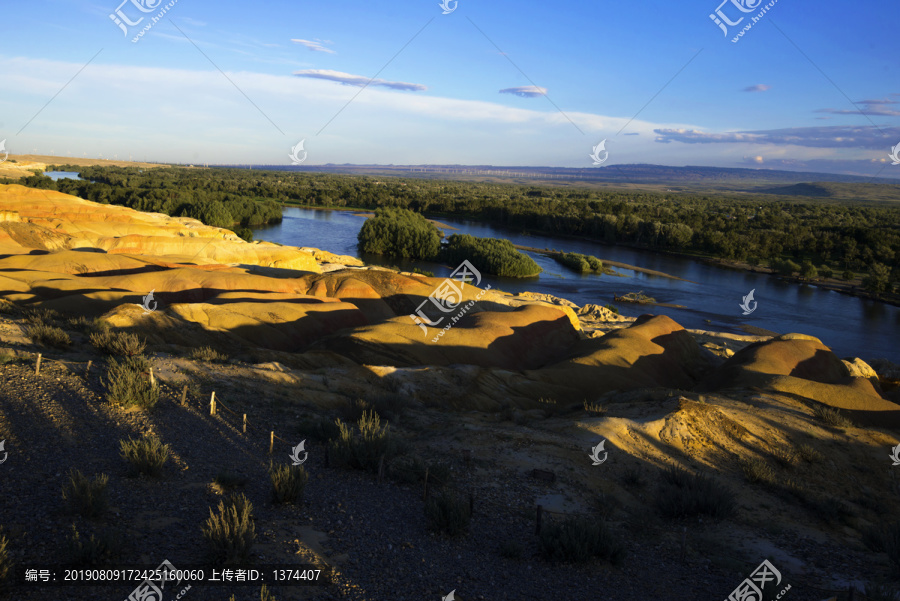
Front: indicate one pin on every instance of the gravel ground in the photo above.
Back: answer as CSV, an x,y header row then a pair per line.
x,y
374,534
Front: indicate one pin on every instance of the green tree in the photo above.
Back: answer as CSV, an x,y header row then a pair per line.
x,y
399,233
878,279
808,271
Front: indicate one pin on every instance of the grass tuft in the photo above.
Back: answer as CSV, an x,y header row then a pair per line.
x,y
118,344
288,482
230,532
363,451
684,494
126,386
93,551
86,497
831,416
207,353
47,335
578,539
448,513
146,455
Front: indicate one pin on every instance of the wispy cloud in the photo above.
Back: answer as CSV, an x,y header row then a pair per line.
x,y
359,80
525,91
837,136
314,45
760,87
869,107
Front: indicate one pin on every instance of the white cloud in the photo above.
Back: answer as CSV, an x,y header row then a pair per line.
x,y
314,45
525,91
359,80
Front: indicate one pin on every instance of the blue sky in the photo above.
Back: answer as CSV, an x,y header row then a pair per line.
x,y
212,82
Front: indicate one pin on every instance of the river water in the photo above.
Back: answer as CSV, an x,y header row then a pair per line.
x,y
850,326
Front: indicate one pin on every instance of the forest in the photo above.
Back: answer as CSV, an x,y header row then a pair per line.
x,y
781,232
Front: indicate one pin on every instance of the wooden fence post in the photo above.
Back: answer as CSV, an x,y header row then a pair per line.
x,y
537,527
37,366
212,404
184,395
271,441
152,379
87,370
245,423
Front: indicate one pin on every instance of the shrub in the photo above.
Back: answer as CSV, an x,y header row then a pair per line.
x,y
848,275
208,353
882,591
684,494
7,357
758,471
831,416
319,429
809,453
146,455
594,407
399,233
578,540
612,308
36,316
94,551
86,497
230,532
6,567
126,386
123,344
288,482
365,450
447,513
490,255
48,335
410,469
785,456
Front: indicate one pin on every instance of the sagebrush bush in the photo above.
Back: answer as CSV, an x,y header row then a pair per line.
x,y
320,429
86,497
207,353
125,385
288,482
363,451
448,513
831,416
685,494
37,316
6,568
230,532
146,455
48,335
93,551
410,469
758,471
578,539
121,344
809,453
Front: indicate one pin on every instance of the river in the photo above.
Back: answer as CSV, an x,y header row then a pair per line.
x,y
850,326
